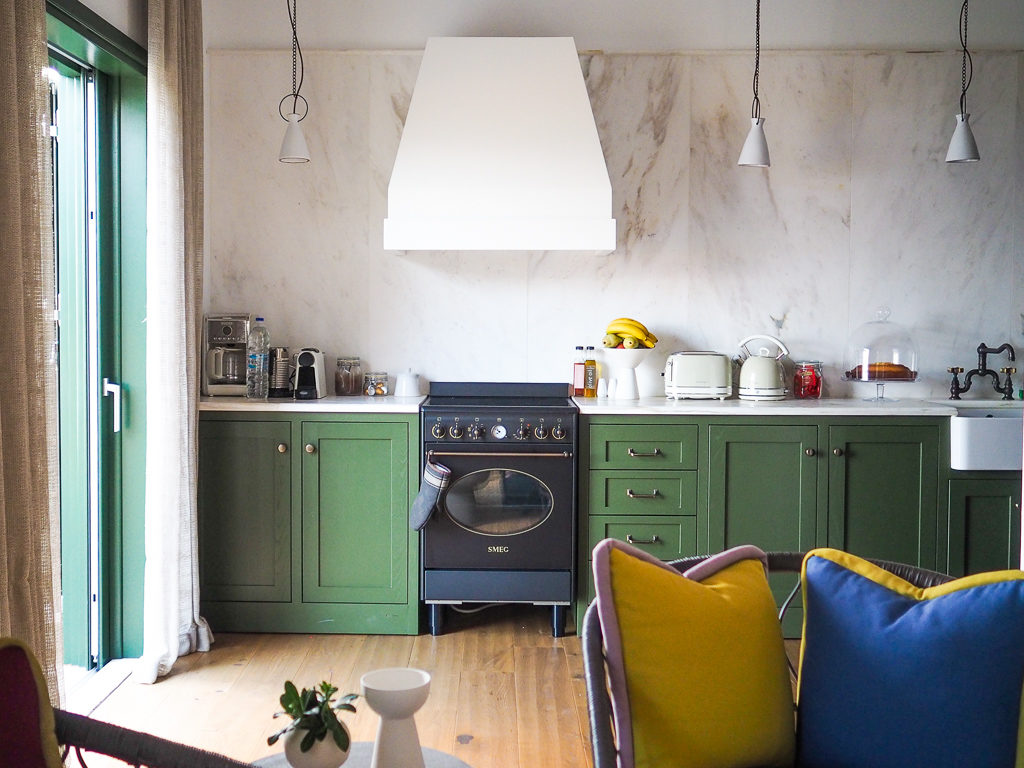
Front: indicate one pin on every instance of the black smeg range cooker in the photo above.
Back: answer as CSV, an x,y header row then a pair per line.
x,y
504,530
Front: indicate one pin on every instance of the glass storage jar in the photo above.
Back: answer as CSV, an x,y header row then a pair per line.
x,y
375,383
807,380
348,378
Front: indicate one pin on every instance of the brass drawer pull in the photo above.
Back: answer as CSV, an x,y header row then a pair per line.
x,y
630,540
638,454
652,495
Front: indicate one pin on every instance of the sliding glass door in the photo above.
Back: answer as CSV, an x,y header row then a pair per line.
x,y
98,142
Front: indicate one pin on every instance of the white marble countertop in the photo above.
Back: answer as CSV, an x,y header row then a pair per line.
x,y
662,406
330,404
645,406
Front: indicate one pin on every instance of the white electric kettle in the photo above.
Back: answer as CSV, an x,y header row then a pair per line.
x,y
761,375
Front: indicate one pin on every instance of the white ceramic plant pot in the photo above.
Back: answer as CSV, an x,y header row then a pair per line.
x,y
323,754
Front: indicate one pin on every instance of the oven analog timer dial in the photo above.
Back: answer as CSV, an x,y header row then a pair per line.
x,y
498,432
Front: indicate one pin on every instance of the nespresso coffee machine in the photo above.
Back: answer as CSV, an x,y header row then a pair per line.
x,y
310,378
224,340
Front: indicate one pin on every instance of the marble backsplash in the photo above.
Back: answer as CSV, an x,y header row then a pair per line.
x,y
857,211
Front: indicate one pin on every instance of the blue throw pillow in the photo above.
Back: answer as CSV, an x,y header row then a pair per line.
x,y
894,676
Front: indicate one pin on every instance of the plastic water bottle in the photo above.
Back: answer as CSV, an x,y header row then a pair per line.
x,y
257,380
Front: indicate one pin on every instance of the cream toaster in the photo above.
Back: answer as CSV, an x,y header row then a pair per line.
x,y
698,375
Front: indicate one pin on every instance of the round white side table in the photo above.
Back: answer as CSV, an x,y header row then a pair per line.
x,y
362,754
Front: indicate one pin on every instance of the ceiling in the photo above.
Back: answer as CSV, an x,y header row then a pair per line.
x,y
618,25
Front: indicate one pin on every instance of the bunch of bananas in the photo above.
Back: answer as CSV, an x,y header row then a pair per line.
x,y
627,333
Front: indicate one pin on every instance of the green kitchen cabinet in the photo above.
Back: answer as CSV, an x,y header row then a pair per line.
x,y
983,527
883,482
304,522
763,489
354,513
245,511
638,483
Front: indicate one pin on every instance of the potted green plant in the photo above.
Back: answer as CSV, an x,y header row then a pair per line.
x,y
313,717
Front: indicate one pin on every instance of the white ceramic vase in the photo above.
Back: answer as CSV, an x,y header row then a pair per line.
x,y
323,754
396,693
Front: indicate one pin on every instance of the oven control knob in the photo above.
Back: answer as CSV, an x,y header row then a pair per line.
x,y
437,431
540,432
558,432
455,430
476,431
523,431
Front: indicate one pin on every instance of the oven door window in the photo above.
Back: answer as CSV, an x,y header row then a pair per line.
x,y
498,502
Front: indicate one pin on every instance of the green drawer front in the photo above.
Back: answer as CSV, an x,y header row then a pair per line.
x,y
641,446
643,493
664,537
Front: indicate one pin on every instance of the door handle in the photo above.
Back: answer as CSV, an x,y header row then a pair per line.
x,y
633,495
113,388
631,539
638,454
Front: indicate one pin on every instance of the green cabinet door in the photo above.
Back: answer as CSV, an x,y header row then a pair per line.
x,y
245,511
883,491
984,524
762,490
355,498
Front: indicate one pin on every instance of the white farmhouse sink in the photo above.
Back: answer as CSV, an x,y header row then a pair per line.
x,y
986,435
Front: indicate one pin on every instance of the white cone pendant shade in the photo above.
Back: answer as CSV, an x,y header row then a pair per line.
x,y
962,147
293,147
755,148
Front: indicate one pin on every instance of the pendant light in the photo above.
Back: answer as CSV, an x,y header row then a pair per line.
x,y
962,147
755,148
293,147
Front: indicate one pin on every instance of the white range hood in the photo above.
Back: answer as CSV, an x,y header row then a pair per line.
x,y
500,152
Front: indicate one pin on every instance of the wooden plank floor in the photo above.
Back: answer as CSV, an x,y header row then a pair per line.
x,y
503,694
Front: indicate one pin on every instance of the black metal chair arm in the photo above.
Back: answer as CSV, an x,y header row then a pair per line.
x,y
133,747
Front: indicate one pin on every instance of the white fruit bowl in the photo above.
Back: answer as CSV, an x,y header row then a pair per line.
x,y
624,358
621,367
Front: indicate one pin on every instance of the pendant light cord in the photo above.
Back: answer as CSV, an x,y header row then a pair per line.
x,y
298,67
967,66
755,107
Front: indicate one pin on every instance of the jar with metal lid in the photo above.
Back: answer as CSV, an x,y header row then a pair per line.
x,y
807,380
348,378
375,383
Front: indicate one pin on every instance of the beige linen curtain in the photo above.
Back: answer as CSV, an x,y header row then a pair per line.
x,y
29,501
174,265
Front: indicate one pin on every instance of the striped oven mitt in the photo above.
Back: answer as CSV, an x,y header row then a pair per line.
x,y
435,480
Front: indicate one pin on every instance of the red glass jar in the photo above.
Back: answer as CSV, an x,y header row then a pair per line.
x,y
807,380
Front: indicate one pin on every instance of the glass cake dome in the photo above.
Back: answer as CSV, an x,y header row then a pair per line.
x,y
880,351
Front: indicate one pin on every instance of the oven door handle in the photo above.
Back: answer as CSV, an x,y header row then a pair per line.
x,y
503,455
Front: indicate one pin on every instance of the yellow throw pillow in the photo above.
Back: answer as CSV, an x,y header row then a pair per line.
x,y
696,663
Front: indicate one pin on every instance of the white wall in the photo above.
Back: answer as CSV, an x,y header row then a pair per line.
x,y
128,16
858,210
617,26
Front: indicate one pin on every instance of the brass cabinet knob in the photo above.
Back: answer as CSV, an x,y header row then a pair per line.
x,y
837,451
310,448
282,448
810,452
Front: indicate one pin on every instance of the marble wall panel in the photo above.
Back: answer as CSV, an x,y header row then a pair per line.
x,y
930,238
858,209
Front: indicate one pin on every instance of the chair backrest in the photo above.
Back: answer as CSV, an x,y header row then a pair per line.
x,y
602,737
27,737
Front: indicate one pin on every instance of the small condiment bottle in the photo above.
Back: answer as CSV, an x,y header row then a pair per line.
x,y
589,373
807,380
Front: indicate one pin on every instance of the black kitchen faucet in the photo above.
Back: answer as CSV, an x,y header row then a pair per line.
x,y
955,389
